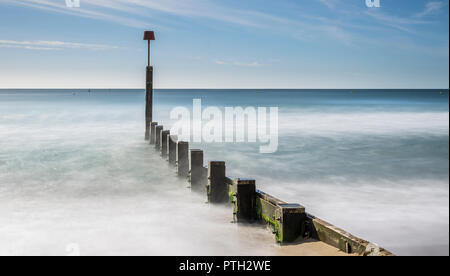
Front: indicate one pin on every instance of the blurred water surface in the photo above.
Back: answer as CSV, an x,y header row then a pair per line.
x,y
374,162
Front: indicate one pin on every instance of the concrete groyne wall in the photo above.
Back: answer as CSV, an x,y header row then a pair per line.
x,y
289,222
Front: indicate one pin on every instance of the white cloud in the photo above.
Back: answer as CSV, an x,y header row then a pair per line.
x,y
220,62
59,6
238,63
331,4
28,47
297,23
52,45
401,23
430,8
247,64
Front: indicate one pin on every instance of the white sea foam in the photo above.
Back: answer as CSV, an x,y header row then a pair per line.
x,y
80,173
100,187
380,175
377,123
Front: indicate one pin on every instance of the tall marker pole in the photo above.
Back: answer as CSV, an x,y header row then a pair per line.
x,y
148,35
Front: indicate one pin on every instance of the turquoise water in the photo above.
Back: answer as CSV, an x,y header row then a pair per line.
x,y
374,162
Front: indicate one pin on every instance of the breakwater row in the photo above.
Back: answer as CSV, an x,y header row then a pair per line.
x,y
289,222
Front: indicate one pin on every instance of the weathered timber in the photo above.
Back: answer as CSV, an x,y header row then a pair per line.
x,y
285,219
182,159
153,132
197,173
158,130
148,100
341,239
217,187
245,200
172,148
164,139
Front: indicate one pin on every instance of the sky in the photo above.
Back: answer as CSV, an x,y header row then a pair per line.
x,y
225,44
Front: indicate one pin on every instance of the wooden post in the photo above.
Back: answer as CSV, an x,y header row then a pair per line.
x,y
158,130
198,177
182,159
288,220
217,187
173,149
153,132
148,100
291,217
164,138
245,203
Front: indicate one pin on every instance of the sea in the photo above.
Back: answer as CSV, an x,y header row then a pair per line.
x,y
77,176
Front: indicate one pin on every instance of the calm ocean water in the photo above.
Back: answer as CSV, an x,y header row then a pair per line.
x,y
75,169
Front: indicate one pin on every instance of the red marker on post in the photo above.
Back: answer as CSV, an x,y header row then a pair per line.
x,y
149,35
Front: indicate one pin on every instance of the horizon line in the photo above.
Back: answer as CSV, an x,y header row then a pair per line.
x,y
271,88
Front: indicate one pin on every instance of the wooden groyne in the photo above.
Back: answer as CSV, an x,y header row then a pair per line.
x,y
289,222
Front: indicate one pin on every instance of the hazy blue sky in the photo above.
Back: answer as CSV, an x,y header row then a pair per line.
x,y
225,44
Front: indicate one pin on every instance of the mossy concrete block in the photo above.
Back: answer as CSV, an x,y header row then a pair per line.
x,y
267,213
265,209
341,239
330,234
285,219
